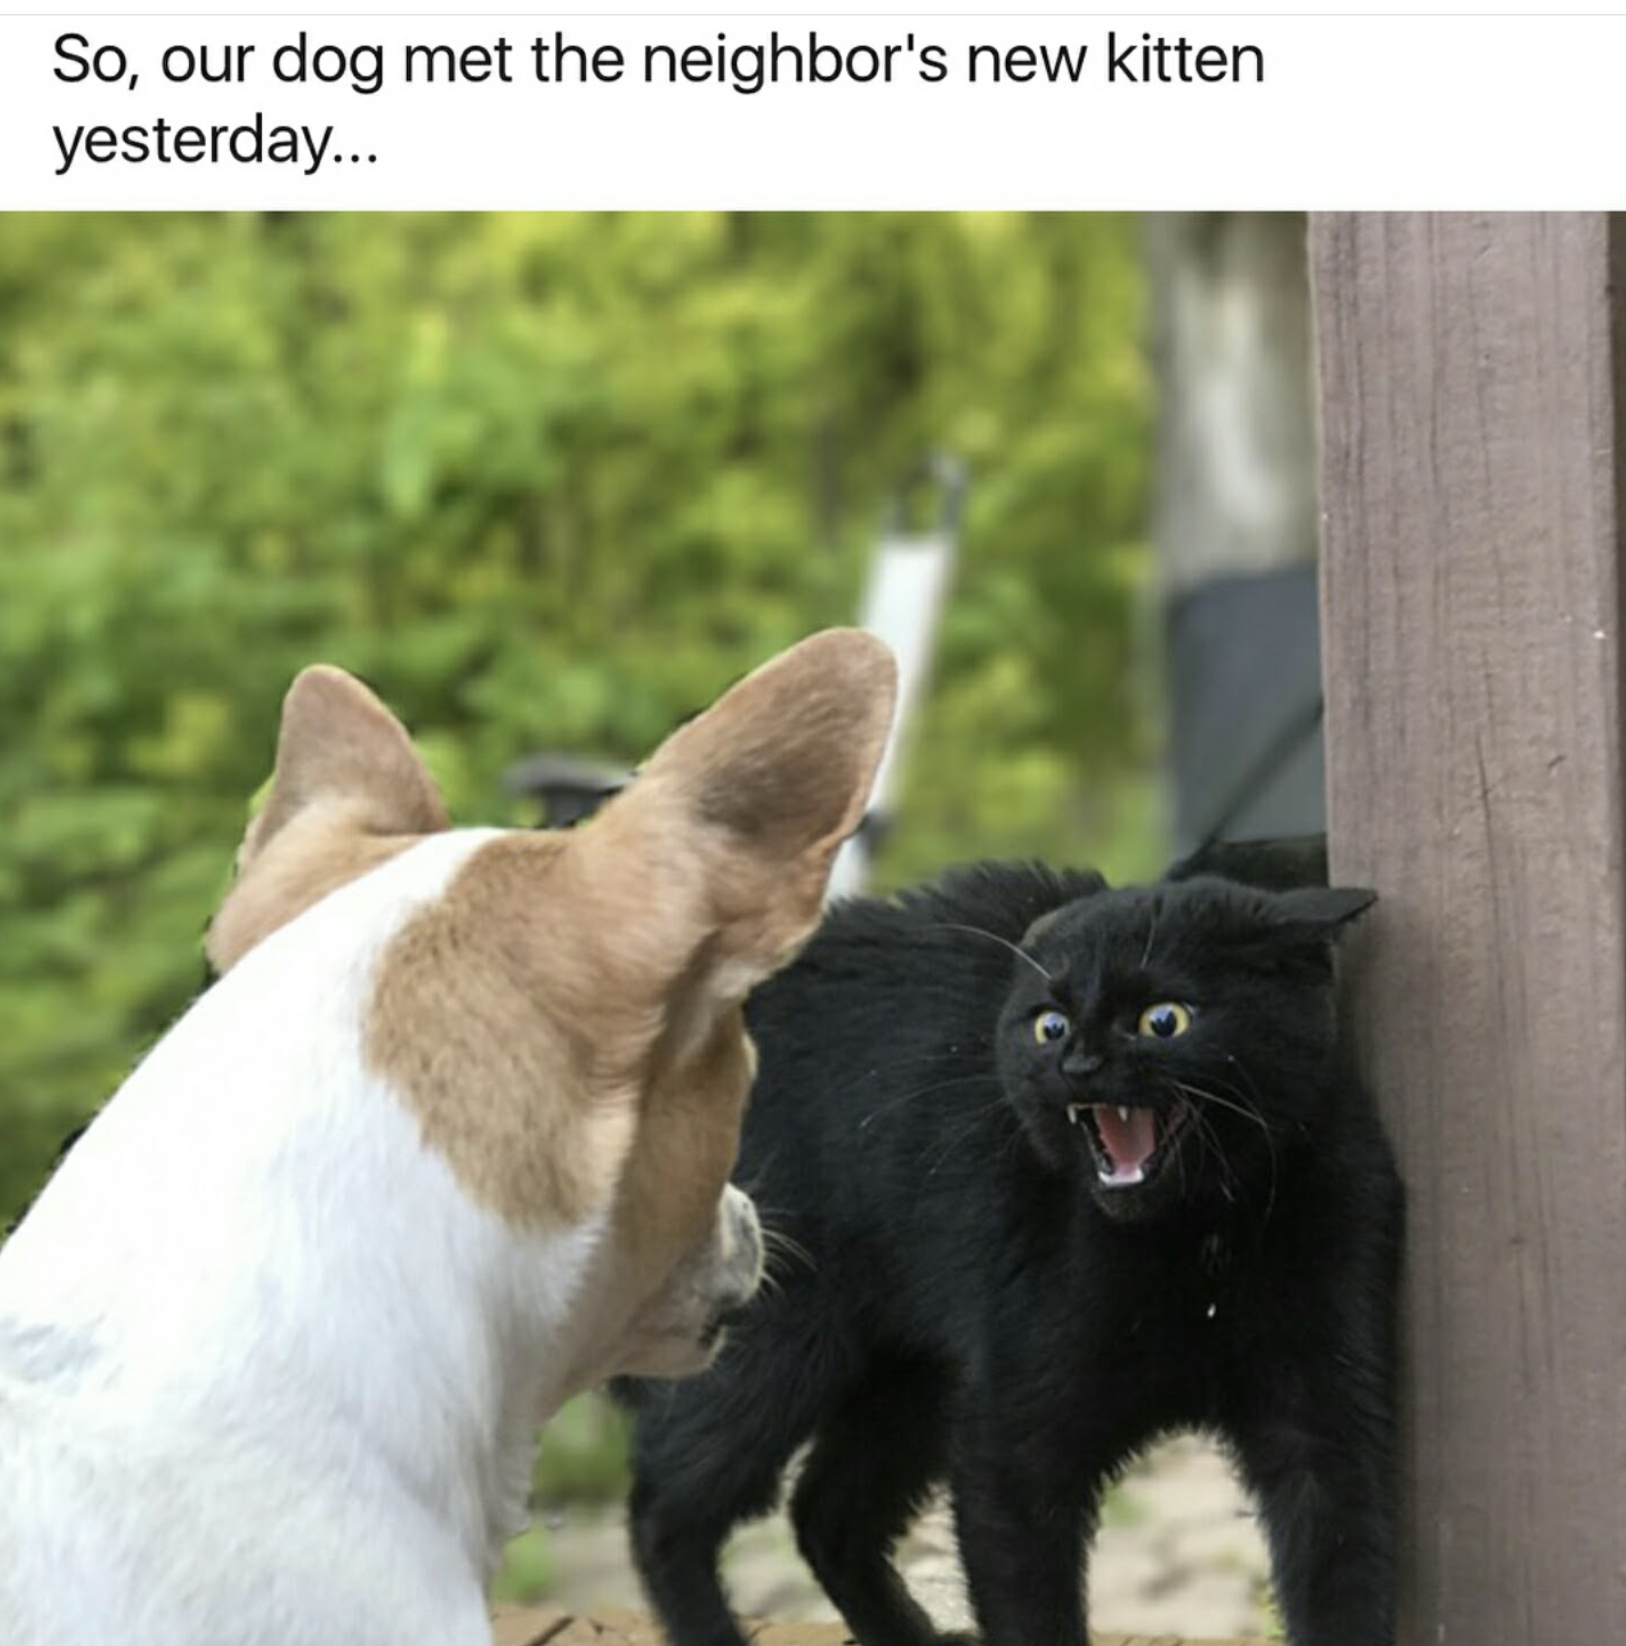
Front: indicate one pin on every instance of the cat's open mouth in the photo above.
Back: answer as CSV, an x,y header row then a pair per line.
x,y
1129,1144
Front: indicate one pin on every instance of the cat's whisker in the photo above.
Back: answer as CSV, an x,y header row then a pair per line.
x,y
1254,1110
963,1052
993,937
961,1133
777,1245
1242,1069
1212,1147
918,1092
1248,1112
1013,1142
1209,1142
1299,1125
856,1088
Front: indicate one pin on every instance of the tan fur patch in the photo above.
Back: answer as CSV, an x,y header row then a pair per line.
x,y
507,1039
565,1021
558,1044
317,852
685,1148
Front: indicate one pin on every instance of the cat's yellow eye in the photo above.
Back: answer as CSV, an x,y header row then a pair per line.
x,y
1050,1026
1165,1020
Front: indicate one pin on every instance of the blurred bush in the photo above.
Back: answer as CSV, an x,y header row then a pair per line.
x,y
545,481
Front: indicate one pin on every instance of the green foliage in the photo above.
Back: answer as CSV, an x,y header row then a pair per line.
x,y
527,1573
583,1453
582,1460
546,482
1275,1628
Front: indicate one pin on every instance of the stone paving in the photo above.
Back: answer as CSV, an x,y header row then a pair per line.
x,y
1179,1553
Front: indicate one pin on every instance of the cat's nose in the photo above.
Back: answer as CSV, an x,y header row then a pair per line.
x,y
1082,1063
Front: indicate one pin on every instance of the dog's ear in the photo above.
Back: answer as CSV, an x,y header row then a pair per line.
x,y
565,1018
340,747
347,791
755,796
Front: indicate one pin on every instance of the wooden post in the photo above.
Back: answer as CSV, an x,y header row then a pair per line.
x,y
1472,479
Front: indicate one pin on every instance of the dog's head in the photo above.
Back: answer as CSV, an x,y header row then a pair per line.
x,y
565,1021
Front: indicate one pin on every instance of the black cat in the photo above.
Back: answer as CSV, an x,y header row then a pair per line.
x,y
1049,1169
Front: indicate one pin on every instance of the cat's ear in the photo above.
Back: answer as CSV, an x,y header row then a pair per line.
x,y
1320,913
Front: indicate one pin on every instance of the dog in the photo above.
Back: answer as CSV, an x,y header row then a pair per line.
x,y
448,1142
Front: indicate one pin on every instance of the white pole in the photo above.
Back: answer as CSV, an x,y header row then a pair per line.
x,y
908,581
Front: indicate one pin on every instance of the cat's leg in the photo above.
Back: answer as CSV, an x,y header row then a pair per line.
x,y
708,1454
1023,1504
1324,1486
865,1480
1314,1431
677,1545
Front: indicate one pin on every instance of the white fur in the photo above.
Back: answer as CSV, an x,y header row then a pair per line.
x,y
267,1376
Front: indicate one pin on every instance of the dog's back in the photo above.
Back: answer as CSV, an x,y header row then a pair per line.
x,y
153,1398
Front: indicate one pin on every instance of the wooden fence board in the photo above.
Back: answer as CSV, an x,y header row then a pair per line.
x,y
1471,390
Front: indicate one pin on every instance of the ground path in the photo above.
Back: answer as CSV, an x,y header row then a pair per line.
x,y
1179,1554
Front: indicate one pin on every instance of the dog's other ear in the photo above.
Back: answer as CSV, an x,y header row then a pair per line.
x,y
757,794
339,746
347,791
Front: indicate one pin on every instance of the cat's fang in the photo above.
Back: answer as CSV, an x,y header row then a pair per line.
x,y
1074,1110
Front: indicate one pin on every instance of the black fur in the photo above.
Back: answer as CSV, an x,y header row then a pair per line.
x,y
955,1295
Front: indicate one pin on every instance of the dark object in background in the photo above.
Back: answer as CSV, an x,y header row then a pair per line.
x,y
1011,1251
1274,865
1244,661
568,789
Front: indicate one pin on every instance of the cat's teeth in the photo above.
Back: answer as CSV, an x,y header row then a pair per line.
x,y
1123,1112
1074,1110
1121,1179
